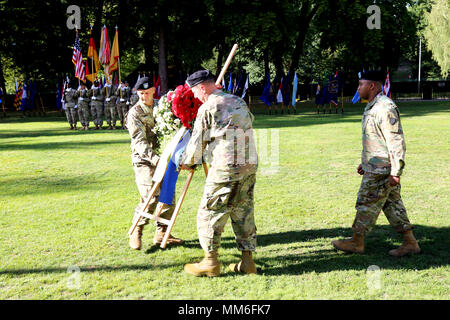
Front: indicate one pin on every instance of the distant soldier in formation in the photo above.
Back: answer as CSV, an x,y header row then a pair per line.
x,y
83,106
382,163
97,95
110,106
123,93
70,101
134,97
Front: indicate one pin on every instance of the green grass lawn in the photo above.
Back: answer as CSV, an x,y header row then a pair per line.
x,y
67,198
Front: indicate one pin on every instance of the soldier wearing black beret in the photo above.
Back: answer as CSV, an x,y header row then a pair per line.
x,y
382,163
144,143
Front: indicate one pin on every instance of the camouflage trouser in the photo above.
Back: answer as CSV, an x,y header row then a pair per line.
x,y
83,115
122,109
71,113
375,194
144,183
97,112
110,112
220,201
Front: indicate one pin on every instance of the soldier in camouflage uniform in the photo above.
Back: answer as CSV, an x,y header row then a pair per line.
x,y
70,99
223,129
110,106
140,122
124,93
83,106
383,160
134,97
97,95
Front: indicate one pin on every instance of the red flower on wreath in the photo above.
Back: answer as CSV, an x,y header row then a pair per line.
x,y
184,105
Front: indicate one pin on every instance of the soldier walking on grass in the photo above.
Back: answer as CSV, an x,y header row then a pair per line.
x,y
382,163
223,126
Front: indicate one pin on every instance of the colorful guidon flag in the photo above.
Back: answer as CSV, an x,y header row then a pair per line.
x,y
387,86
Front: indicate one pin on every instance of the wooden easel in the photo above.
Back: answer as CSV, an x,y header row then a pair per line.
x,y
161,170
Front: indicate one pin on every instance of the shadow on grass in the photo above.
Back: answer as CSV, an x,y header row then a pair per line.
x,y
59,145
46,185
143,267
299,258
6,134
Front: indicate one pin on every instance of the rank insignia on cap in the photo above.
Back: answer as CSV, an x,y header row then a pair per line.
x,y
145,85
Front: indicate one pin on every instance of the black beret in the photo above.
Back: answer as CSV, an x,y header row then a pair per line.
x,y
373,75
199,77
143,83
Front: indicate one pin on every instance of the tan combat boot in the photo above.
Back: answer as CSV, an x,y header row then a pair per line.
x,y
409,245
246,265
159,235
135,238
354,244
209,266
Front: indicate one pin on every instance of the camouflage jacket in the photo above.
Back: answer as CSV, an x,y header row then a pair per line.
x,y
223,135
110,95
96,94
70,97
126,92
382,138
144,143
83,98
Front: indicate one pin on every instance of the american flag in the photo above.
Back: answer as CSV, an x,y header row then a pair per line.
x,y
77,59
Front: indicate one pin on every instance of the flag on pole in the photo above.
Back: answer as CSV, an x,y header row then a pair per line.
x,y
280,94
223,83
356,97
157,85
105,53
95,63
18,98
245,88
265,96
387,86
230,84
24,101
285,90
114,63
171,176
58,96
294,89
77,59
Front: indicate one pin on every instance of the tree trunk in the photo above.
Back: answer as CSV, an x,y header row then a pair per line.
x,y
2,81
163,71
303,23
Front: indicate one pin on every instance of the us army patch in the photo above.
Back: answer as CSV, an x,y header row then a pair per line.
x,y
392,120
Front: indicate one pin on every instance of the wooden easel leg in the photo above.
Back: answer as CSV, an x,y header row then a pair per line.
x,y
176,211
147,203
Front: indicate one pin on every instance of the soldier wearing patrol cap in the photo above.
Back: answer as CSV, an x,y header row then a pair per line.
x,y
124,93
223,128
140,122
382,163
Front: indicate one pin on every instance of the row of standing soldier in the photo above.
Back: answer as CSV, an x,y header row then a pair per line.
x,y
108,101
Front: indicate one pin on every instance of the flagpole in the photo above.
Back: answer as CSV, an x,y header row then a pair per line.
x,y
118,63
